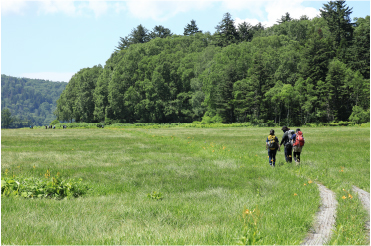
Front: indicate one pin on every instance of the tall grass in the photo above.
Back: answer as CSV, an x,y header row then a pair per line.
x,y
207,178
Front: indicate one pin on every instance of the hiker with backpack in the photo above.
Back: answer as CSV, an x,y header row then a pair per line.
x,y
286,141
298,141
272,145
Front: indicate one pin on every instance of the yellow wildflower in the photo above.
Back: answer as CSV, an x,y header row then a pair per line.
x,y
344,197
310,181
350,196
305,184
295,194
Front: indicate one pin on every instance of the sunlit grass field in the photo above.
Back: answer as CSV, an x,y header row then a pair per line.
x,y
215,185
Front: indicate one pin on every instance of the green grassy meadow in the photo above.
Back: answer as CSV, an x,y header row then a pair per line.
x,y
215,185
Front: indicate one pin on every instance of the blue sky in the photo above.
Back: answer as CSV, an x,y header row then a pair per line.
x,y
54,39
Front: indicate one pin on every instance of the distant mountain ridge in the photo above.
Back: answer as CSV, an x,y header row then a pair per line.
x,y
31,100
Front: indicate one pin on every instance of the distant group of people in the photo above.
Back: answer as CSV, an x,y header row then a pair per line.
x,y
293,142
53,127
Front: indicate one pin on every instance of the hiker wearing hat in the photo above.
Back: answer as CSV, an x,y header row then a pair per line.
x,y
272,145
286,141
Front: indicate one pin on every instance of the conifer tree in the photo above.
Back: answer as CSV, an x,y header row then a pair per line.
x,y
337,16
245,31
191,28
284,18
226,31
138,35
160,31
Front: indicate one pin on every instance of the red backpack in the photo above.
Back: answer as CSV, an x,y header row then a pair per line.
x,y
299,139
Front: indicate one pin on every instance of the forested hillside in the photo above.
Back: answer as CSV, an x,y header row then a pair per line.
x,y
295,72
31,101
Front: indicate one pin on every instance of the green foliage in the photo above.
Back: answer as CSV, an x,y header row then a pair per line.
x,y
191,28
359,57
337,16
160,32
251,234
284,18
31,101
6,118
137,35
226,32
155,195
54,187
359,115
140,35
54,122
296,72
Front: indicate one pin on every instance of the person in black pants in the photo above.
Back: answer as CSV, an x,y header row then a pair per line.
x,y
296,147
286,141
272,150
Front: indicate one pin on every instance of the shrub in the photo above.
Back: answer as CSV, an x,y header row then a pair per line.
x,y
359,115
156,195
54,187
54,122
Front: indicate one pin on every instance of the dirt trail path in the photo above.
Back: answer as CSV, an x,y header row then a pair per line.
x,y
325,219
364,196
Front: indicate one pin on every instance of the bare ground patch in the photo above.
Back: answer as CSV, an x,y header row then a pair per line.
x,y
325,219
364,196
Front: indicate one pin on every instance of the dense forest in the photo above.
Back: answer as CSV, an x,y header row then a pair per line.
x,y
296,72
30,101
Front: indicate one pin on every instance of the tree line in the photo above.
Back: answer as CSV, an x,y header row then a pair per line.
x,y
29,101
295,72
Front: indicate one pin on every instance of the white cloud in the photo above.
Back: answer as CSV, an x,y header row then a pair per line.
x,y
68,7
99,7
250,21
255,7
51,7
52,76
119,7
13,6
268,12
276,10
162,10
